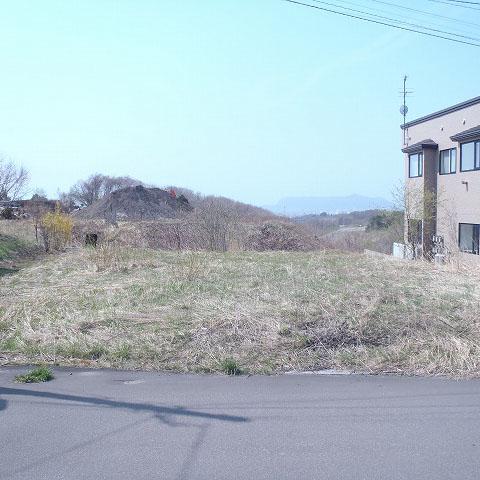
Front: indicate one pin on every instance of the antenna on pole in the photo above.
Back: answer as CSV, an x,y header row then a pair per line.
x,y
404,108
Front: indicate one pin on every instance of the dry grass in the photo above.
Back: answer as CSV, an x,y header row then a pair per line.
x,y
23,230
17,245
265,312
357,240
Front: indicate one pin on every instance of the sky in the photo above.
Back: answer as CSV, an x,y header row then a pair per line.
x,y
251,99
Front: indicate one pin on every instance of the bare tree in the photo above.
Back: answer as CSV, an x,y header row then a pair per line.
x,y
448,225
36,208
86,192
13,180
110,184
96,186
66,201
216,218
420,208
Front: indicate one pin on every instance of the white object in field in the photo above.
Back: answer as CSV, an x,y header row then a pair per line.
x,y
399,250
406,251
440,259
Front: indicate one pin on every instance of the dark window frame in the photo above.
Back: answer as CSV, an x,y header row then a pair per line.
x,y
420,165
450,159
476,237
476,161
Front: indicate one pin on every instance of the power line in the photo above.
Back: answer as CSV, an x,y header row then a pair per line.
x,y
460,1
408,16
444,2
476,39
442,25
378,22
424,12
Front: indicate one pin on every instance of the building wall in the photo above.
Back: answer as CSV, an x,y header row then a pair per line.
x,y
458,202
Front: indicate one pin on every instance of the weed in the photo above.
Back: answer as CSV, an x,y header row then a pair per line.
x,y
190,267
95,352
303,341
4,326
230,367
86,326
109,257
123,352
9,344
37,375
284,330
79,350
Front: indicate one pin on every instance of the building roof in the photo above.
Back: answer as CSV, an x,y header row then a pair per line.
x,y
445,111
418,147
466,134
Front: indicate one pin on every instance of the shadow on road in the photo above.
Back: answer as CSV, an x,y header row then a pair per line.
x,y
162,412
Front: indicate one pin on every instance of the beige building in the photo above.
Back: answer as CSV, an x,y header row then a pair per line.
x,y
442,167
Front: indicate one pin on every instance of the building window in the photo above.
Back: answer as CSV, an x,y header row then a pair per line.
x,y
448,161
468,235
415,165
470,156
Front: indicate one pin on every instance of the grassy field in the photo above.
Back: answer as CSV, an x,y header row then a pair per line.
x,y
253,312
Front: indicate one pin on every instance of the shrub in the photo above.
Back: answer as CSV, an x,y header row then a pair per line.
x,y
110,256
7,213
56,229
281,236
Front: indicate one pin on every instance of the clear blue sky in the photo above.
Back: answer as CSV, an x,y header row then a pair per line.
x,y
251,99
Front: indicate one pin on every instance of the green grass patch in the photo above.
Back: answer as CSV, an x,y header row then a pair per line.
x,y
123,352
230,367
11,246
37,375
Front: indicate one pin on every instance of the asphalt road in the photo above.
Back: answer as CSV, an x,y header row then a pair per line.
x,y
136,425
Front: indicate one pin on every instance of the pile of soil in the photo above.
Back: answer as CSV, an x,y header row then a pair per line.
x,y
136,203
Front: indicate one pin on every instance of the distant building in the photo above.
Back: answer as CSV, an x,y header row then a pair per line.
x,y
442,160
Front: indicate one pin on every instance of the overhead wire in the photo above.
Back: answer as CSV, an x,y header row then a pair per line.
x,y
462,1
445,35
445,2
425,12
336,5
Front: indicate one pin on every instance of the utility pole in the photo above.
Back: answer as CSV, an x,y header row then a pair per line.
x,y
404,108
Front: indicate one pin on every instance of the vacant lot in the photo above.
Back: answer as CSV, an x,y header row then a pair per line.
x,y
259,312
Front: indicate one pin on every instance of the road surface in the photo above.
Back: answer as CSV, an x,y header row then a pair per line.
x,y
133,425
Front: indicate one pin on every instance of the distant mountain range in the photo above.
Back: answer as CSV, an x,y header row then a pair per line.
x,y
294,206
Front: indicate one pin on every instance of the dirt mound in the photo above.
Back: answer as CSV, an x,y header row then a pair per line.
x,y
136,203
